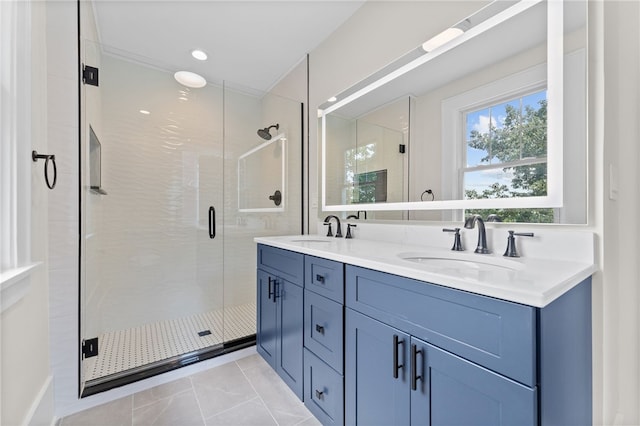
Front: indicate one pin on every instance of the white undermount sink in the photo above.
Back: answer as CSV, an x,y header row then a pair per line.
x,y
477,262
310,240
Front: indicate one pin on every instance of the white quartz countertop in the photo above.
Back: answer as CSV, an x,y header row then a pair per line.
x,y
530,281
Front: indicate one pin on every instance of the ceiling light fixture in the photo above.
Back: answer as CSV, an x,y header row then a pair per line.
x,y
200,55
441,39
190,79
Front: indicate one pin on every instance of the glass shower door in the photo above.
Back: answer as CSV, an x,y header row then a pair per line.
x,y
152,226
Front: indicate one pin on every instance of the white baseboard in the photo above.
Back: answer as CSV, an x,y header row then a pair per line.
x,y
41,412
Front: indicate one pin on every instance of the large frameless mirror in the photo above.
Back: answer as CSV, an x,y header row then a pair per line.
x,y
488,116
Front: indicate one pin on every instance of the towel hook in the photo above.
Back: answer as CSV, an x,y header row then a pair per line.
x,y
35,157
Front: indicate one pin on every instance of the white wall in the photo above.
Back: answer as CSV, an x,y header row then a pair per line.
x,y
621,200
63,129
383,31
26,387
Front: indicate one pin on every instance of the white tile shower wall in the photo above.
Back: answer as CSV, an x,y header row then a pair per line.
x,y
149,257
62,129
150,250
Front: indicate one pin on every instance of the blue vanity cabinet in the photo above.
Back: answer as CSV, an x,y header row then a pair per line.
x,y
377,372
266,329
449,390
423,354
324,339
395,379
279,337
360,346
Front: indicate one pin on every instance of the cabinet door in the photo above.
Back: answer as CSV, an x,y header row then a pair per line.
x,y
450,390
266,321
374,355
290,331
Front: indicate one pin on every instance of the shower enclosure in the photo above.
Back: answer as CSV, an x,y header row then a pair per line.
x,y
167,252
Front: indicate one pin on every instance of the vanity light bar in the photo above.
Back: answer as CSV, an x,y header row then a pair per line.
x,y
472,32
440,39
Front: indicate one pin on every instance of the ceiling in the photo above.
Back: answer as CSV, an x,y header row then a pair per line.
x,y
250,44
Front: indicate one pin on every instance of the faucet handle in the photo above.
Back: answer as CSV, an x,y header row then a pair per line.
x,y
349,226
511,250
329,231
457,244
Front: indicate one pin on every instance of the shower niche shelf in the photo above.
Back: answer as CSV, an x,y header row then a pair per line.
x,y
95,164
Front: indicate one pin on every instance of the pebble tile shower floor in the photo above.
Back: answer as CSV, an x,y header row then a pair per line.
x,y
124,350
243,392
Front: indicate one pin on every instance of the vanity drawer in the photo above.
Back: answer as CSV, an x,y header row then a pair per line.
x,y
323,331
325,277
282,263
323,390
494,333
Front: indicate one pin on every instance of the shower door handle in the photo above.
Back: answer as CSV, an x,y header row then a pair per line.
x,y
212,222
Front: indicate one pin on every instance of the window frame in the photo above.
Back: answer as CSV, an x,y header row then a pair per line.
x,y
453,125
15,148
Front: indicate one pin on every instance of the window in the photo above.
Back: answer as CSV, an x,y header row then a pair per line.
x,y
15,146
506,149
500,131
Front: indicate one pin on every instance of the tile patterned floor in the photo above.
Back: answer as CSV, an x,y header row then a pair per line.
x,y
123,350
244,392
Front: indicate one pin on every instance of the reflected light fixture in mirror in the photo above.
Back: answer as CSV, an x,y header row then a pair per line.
x,y
442,38
190,79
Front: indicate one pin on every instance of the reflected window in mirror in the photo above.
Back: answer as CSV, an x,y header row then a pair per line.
x,y
506,155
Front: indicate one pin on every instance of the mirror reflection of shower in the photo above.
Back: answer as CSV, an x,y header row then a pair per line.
x,y
265,133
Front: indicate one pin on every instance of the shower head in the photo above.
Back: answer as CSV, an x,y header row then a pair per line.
x,y
265,134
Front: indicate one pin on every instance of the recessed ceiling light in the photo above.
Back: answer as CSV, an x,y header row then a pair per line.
x,y
332,99
442,38
190,79
144,111
199,54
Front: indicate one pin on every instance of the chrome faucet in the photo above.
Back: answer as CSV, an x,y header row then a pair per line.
x,y
482,233
327,221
